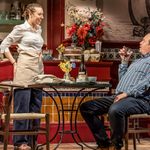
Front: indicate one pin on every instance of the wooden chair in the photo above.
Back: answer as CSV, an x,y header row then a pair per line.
x,y
7,116
135,128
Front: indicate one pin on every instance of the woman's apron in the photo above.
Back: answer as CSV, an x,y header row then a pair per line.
x,y
29,64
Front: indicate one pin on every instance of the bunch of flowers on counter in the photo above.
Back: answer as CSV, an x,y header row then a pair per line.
x,y
86,26
60,48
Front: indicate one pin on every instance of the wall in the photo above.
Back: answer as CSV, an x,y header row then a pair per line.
x,y
5,7
117,17
44,22
81,5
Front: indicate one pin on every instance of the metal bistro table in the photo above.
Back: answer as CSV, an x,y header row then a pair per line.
x,y
91,86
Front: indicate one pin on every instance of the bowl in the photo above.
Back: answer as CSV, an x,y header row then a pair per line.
x,y
92,78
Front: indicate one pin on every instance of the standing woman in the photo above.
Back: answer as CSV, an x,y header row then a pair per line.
x,y
29,41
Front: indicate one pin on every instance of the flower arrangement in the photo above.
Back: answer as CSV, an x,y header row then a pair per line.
x,y
65,66
87,26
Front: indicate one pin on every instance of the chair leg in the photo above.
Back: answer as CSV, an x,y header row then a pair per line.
x,y
48,132
126,141
134,141
33,142
138,137
6,135
5,144
127,134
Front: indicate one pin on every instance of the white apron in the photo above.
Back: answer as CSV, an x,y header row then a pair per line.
x,y
29,64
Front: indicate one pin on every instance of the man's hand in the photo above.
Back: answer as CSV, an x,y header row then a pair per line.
x,y
120,97
125,54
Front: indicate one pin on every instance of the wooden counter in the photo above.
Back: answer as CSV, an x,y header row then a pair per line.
x,y
100,69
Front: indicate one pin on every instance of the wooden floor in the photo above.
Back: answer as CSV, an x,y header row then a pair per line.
x,y
143,145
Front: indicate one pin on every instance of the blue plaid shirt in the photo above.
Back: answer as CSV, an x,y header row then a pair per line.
x,y
135,79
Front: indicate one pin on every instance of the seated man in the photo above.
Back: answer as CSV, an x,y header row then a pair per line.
x,y
130,98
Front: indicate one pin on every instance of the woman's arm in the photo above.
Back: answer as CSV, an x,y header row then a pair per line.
x,y
12,38
10,57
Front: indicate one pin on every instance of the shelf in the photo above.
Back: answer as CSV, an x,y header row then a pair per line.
x,y
10,22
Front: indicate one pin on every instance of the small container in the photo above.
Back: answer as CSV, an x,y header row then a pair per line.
x,y
92,78
98,46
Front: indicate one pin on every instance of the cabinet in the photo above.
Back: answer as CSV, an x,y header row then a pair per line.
x,y
11,14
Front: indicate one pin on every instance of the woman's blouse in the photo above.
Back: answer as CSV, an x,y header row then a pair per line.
x,y
25,37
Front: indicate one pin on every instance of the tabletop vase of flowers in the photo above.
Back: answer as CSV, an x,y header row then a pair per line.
x,y
66,66
86,26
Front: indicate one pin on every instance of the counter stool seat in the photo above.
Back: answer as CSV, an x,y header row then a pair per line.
x,y
134,127
34,131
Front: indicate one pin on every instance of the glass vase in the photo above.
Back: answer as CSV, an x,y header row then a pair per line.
x,y
60,56
67,76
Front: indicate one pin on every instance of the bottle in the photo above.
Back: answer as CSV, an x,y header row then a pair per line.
x,y
18,14
12,12
82,75
98,45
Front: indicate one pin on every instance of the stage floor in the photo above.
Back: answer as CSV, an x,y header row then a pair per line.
x,y
143,145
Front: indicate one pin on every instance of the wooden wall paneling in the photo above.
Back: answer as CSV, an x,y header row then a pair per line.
x,y
6,71
55,18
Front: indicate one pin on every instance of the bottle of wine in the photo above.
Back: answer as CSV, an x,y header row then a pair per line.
x,y
82,75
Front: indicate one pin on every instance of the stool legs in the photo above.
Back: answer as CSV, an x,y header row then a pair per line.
x,y
48,132
127,134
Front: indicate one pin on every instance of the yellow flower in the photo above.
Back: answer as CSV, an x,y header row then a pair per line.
x,y
60,48
65,66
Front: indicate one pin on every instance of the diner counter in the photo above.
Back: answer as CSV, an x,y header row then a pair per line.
x,y
102,70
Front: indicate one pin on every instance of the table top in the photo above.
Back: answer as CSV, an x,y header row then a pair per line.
x,y
62,84
73,85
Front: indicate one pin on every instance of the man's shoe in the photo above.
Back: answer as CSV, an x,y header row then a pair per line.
x,y
118,146
22,147
104,144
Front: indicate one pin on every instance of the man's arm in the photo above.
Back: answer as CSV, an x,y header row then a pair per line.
x,y
141,87
137,90
125,55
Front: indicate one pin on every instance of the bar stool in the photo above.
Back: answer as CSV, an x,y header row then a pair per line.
x,y
135,128
7,116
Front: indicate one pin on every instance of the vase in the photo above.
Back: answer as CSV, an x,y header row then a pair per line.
x,y
67,76
60,56
98,46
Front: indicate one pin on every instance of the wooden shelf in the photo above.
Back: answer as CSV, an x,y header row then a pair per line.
x,y
10,22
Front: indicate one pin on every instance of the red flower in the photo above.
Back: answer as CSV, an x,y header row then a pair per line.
x,y
82,32
92,40
81,42
99,31
72,29
86,27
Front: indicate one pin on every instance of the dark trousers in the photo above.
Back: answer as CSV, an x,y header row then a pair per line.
x,y
117,112
25,101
